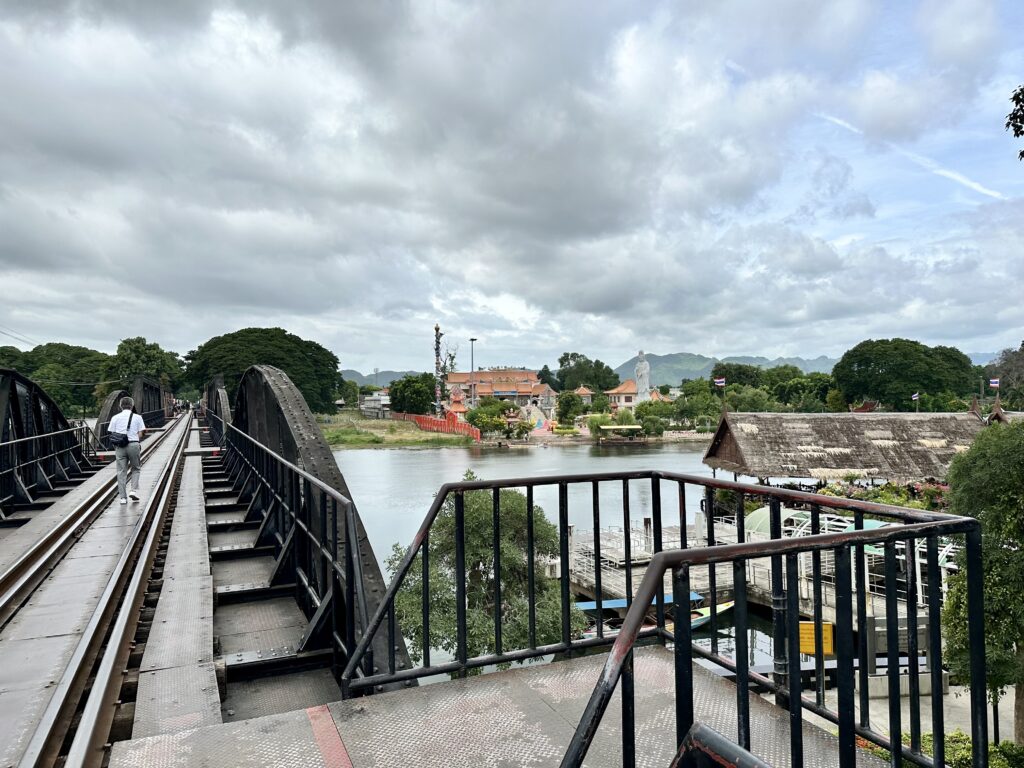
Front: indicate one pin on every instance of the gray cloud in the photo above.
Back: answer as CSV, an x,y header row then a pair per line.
x,y
547,177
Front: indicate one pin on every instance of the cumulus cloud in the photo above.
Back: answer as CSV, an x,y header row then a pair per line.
x,y
545,177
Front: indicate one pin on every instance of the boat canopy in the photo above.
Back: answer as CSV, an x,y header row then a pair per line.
x,y
621,603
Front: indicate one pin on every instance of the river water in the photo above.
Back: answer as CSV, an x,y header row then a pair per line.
x,y
394,487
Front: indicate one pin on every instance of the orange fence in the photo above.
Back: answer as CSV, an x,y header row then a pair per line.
x,y
449,425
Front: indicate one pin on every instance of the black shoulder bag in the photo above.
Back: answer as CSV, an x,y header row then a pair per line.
x,y
120,439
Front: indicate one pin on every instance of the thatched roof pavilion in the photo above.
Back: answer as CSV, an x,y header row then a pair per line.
x,y
898,447
999,414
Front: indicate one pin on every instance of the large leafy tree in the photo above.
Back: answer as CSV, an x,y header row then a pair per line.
x,y
568,407
68,373
987,482
413,393
138,357
891,370
480,579
741,373
313,368
1009,369
575,369
545,376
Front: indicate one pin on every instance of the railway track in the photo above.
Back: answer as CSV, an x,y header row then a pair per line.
x,y
63,717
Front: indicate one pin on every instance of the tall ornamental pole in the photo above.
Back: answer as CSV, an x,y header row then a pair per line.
x,y
437,369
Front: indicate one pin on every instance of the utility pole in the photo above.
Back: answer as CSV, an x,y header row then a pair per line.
x,y
437,370
472,373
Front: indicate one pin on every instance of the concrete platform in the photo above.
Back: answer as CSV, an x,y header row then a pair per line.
x,y
524,716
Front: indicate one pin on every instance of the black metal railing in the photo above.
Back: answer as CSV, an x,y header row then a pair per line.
x,y
311,529
34,465
912,532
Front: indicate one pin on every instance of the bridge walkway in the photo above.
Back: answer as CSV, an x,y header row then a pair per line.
x,y
42,637
523,716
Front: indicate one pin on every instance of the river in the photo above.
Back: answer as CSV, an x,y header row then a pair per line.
x,y
394,487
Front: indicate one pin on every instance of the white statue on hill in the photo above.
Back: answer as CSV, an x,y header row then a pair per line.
x,y
642,372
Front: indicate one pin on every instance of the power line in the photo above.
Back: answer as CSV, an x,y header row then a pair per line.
x,y
17,337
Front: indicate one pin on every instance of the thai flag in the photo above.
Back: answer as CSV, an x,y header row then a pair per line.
x,y
994,383
720,381
915,396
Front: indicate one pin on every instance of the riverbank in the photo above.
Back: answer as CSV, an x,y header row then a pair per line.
x,y
352,430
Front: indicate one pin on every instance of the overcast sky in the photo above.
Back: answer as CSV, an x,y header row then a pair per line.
x,y
785,177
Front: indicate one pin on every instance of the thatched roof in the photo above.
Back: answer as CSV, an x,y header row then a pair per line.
x,y
1003,416
900,447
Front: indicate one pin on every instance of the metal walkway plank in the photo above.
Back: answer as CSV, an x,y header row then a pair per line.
x,y
525,716
175,699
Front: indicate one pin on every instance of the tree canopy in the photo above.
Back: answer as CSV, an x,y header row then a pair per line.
x,y
1015,120
137,357
1009,369
575,369
312,368
413,393
69,374
545,376
891,370
987,482
480,592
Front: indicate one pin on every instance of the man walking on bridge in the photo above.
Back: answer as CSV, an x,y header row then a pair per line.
x,y
129,423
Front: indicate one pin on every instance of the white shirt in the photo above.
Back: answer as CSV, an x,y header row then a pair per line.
x,y
120,424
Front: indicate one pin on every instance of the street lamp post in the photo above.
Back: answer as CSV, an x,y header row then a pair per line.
x,y
472,373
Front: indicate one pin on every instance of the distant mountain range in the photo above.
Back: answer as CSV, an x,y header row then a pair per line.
x,y
381,378
673,368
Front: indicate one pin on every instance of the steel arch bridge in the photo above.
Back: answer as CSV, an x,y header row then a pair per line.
x,y
39,448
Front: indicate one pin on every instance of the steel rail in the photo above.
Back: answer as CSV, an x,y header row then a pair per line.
x,y
23,574
87,747
46,740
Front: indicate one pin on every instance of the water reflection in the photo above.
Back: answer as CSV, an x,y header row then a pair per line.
x,y
393,488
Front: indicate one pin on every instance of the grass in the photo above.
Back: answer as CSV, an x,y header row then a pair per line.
x,y
350,429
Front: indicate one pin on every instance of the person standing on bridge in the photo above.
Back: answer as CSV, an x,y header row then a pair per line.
x,y
128,422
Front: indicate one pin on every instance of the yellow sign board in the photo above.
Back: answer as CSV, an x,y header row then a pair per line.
x,y
807,638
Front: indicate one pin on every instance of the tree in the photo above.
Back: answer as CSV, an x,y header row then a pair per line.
x,y
1015,120
664,389
69,374
987,482
772,376
599,403
739,373
138,357
568,406
835,402
547,377
312,368
479,579
349,392
413,393
1009,369
10,357
575,369
891,370
655,408
493,415
747,399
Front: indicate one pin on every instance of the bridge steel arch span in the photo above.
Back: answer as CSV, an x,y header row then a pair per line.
x,y
39,447
151,401
216,400
272,411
